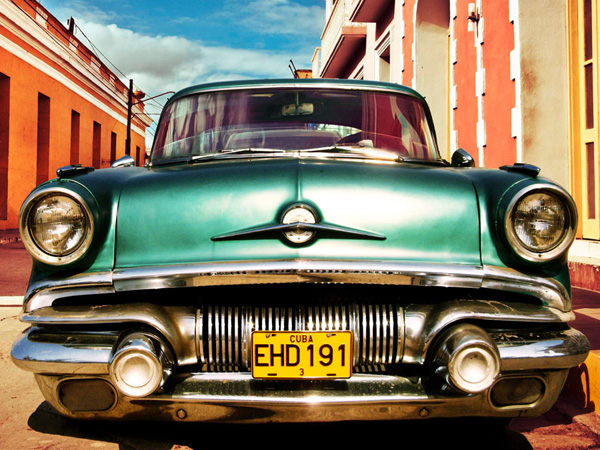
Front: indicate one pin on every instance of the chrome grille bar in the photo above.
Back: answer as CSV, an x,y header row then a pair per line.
x,y
223,334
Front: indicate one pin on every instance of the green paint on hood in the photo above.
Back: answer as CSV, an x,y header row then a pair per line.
x,y
169,214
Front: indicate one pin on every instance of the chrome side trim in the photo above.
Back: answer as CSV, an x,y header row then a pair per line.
x,y
176,324
43,293
548,290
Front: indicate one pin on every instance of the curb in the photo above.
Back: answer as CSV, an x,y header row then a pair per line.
x,y
585,275
11,300
583,384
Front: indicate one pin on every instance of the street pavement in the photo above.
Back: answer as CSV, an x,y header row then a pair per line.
x,y
28,422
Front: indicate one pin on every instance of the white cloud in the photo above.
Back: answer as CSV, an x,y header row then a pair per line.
x,y
162,63
169,63
159,63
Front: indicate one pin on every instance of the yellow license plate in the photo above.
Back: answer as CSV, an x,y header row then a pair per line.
x,y
294,355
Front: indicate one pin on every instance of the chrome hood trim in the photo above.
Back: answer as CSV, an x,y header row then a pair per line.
x,y
549,291
315,227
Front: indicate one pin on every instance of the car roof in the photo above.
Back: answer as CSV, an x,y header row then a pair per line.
x,y
297,82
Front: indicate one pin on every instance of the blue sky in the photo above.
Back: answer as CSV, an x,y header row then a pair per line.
x,y
167,46
170,45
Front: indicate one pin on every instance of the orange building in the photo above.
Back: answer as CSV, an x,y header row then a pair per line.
x,y
507,80
59,105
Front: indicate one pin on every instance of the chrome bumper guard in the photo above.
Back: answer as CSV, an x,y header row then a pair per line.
x,y
191,393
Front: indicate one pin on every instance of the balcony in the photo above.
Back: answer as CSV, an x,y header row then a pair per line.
x,y
341,39
368,10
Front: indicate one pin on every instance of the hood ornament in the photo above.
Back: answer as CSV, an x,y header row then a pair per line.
x,y
299,225
297,216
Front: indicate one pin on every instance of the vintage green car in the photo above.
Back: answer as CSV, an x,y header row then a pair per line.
x,y
298,250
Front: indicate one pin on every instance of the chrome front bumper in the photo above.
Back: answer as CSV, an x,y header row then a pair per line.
x,y
237,397
70,346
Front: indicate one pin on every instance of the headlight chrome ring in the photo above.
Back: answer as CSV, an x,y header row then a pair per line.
x,y
56,226
541,223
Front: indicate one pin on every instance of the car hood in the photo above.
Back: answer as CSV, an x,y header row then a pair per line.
x,y
408,212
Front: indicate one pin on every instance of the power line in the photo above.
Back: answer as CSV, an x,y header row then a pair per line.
x,y
96,49
61,32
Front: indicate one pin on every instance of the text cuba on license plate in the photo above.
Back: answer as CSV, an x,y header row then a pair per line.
x,y
301,354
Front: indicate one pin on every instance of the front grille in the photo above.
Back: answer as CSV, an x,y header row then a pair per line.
x,y
223,337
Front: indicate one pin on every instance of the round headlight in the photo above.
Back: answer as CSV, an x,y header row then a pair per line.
x,y
541,224
56,227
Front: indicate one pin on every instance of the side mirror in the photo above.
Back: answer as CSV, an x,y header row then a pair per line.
x,y
124,161
461,158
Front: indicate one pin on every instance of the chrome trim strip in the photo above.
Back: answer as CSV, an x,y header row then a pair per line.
x,y
298,271
550,291
314,227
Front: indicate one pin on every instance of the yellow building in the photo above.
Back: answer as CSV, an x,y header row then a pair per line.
x,y
583,25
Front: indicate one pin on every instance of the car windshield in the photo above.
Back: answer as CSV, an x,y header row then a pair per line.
x,y
295,120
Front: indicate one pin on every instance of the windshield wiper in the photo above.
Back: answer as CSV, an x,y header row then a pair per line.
x,y
374,153
358,150
225,153
336,149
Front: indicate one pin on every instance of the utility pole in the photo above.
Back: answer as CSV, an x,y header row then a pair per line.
x,y
129,112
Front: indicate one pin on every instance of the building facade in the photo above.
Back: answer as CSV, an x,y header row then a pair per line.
x,y
507,80
59,105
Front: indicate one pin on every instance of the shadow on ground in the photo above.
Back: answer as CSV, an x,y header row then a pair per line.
x,y
468,434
